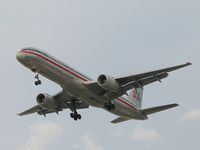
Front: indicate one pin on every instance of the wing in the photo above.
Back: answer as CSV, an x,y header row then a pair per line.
x,y
31,110
139,80
119,119
64,102
155,74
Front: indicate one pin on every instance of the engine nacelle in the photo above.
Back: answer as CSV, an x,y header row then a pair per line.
x,y
46,101
108,83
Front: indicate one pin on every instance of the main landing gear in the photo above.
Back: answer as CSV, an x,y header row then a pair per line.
x,y
38,81
75,115
109,106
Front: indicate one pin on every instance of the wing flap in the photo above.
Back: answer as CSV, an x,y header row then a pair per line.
x,y
153,110
138,80
127,79
144,81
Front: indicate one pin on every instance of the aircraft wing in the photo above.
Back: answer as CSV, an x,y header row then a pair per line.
x,y
31,110
139,80
119,119
63,102
125,80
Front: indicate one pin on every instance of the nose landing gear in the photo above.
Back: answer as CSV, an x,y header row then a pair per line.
x,y
38,81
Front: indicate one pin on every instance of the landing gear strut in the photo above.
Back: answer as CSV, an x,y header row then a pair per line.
x,y
75,115
109,106
38,81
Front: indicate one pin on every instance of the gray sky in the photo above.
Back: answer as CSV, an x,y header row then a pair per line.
x,y
108,36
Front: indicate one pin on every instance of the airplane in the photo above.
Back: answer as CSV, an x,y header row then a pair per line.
x,y
80,91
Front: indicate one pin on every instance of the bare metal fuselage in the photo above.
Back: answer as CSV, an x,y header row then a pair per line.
x,y
74,83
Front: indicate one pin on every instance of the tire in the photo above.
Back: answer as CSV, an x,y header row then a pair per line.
x,y
36,83
39,82
71,115
75,118
79,116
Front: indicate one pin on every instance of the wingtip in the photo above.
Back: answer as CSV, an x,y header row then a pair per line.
x,y
176,105
189,63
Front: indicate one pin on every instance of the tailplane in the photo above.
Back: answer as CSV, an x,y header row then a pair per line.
x,y
135,96
153,110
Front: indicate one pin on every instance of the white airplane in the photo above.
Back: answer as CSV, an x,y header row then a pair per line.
x,y
80,91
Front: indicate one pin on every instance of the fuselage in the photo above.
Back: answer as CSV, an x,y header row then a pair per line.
x,y
73,81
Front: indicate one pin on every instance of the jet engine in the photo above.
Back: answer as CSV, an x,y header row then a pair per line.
x,y
46,101
108,83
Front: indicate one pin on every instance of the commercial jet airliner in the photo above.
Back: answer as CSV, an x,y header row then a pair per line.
x,y
121,96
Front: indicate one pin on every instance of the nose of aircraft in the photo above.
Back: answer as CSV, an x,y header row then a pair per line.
x,y
20,56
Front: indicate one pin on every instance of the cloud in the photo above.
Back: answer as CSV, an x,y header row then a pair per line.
x,y
145,135
89,143
193,115
41,135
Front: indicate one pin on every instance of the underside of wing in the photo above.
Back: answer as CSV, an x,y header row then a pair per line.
x,y
95,88
54,104
119,119
31,110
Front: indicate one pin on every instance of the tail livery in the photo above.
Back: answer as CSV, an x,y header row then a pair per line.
x,y
135,96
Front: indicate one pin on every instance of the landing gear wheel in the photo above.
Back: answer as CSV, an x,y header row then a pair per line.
x,y
38,82
75,116
79,116
109,106
72,115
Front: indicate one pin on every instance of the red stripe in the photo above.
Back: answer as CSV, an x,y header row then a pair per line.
x,y
126,103
72,73
56,64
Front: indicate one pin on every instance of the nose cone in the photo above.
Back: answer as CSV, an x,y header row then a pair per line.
x,y
20,57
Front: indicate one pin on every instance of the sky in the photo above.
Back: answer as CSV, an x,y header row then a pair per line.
x,y
113,37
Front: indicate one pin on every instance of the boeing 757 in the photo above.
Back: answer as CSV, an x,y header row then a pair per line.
x,y
121,96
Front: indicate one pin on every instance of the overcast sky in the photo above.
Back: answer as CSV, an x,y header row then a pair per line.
x,y
114,37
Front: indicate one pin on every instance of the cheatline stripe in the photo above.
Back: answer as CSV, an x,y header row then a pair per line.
x,y
126,103
57,64
54,62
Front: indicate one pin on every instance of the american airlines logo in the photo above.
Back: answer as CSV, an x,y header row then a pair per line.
x,y
135,95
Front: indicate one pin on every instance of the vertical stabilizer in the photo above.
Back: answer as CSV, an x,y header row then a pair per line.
x,y
135,96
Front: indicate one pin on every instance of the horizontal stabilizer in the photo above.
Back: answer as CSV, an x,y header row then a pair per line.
x,y
152,110
120,119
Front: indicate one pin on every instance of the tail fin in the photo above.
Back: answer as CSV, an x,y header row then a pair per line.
x,y
136,96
